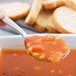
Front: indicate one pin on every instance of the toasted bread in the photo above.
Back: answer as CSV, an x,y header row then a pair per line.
x,y
50,4
50,26
15,10
42,19
64,19
36,7
71,3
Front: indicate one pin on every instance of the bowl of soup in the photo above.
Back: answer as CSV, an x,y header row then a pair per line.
x,y
14,61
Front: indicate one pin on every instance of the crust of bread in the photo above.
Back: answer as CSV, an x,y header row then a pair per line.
x,y
50,26
50,29
39,28
57,25
10,9
70,3
36,7
50,5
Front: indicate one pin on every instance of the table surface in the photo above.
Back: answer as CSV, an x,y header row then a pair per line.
x,y
4,31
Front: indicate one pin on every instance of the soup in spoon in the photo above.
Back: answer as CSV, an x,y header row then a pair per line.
x,y
47,47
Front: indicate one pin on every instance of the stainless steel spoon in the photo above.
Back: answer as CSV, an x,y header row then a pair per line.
x,y
11,23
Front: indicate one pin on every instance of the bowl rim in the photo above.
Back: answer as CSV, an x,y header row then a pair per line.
x,y
19,36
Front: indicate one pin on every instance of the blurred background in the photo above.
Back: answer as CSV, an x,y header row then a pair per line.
x,y
6,31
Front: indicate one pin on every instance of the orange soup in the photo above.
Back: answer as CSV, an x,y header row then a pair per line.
x,y
19,63
47,48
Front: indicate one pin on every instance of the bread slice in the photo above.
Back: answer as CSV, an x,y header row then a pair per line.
x,y
50,4
71,3
42,19
50,26
64,19
15,10
36,7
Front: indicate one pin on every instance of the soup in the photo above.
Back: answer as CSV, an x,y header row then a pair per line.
x,y
47,48
19,63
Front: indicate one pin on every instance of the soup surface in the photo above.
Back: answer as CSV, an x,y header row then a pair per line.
x,y
19,63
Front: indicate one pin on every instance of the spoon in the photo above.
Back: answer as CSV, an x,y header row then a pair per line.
x,y
11,23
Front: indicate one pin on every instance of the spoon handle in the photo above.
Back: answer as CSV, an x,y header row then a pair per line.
x,y
11,23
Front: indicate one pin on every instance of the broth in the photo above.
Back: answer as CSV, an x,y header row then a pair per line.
x,y
19,63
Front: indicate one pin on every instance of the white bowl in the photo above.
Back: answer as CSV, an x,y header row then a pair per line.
x,y
17,42
31,65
